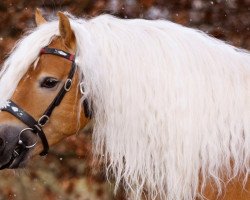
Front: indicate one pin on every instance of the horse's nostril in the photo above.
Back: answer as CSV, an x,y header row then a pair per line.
x,y
2,144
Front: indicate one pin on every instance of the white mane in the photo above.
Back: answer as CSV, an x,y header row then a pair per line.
x,y
171,104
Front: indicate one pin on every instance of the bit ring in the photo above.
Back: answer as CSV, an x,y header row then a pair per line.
x,y
22,143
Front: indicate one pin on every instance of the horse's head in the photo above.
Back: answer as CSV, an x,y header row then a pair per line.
x,y
45,106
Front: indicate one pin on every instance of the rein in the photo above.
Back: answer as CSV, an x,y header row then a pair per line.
x,y
35,126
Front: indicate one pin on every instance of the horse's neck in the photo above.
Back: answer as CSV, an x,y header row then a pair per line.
x,y
232,190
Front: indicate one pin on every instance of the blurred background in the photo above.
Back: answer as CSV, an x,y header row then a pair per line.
x,y
67,172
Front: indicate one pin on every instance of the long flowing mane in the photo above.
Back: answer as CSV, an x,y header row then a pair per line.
x,y
171,104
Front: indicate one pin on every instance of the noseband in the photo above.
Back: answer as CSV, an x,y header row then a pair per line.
x,y
35,126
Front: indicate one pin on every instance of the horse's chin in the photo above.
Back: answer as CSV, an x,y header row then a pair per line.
x,y
18,162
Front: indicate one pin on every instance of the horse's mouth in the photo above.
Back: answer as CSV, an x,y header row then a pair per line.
x,y
16,160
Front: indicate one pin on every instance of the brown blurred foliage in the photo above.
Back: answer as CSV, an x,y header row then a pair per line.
x,y
68,172
224,19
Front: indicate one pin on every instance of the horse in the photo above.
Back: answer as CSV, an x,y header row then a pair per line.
x,y
169,106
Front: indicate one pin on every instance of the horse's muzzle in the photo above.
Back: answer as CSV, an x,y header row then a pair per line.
x,y
15,145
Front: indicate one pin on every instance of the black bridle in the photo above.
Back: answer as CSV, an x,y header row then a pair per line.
x,y
36,125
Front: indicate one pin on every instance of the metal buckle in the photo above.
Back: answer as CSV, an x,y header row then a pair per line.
x,y
21,142
44,117
68,84
82,88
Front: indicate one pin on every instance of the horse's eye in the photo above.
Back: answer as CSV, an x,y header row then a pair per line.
x,y
49,82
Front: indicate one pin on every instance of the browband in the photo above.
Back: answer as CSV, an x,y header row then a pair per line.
x,y
58,52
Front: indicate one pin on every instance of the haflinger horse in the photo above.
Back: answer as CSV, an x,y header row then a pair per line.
x,y
169,105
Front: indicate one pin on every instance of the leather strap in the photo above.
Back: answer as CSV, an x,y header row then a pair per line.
x,y
27,119
66,87
58,52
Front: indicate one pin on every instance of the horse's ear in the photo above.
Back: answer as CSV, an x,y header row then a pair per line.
x,y
65,31
39,18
